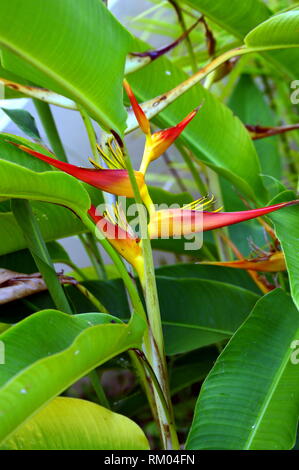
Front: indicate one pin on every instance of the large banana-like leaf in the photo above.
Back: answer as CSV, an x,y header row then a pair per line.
x,y
74,424
51,186
279,31
62,349
287,231
213,273
198,312
75,48
55,222
250,399
239,18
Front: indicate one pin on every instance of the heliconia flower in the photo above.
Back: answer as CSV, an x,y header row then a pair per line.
x,y
123,239
158,142
115,181
271,263
187,220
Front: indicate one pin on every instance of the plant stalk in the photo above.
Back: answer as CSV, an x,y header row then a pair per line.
x,y
23,213
46,117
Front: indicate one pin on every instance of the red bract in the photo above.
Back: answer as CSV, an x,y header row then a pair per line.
x,y
125,243
113,181
186,221
158,142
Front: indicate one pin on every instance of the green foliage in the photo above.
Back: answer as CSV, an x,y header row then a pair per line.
x,y
250,399
73,424
94,83
33,376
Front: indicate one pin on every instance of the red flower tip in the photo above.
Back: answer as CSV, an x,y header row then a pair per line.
x,y
138,111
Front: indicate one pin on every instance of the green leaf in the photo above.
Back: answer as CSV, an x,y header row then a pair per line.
x,y
249,104
24,120
55,222
53,186
197,312
287,231
74,424
214,273
250,399
239,18
186,370
279,31
234,16
33,376
215,136
22,262
60,45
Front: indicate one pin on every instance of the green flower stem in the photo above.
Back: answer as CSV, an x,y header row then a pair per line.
x,y
145,383
23,213
136,304
155,349
46,117
91,134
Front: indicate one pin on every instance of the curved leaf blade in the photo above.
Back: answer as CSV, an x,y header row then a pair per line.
x,y
74,424
52,186
33,376
278,31
198,312
75,64
287,231
239,18
245,401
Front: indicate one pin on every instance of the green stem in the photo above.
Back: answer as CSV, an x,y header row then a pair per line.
x,y
46,117
74,267
99,306
154,348
192,168
187,39
154,379
91,133
23,213
96,383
